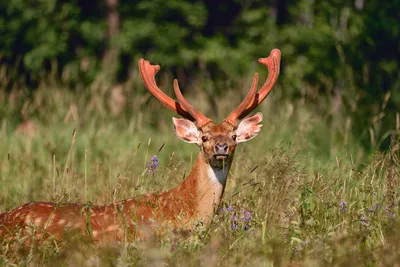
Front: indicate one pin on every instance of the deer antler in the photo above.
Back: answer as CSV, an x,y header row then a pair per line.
x,y
247,106
184,109
246,102
200,118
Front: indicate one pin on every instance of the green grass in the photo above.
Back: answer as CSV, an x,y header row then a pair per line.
x,y
291,178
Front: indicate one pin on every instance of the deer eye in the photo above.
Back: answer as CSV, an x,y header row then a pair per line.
x,y
234,137
204,138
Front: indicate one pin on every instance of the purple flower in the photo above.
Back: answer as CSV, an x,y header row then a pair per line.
x,y
153,163
389,212
238,220
377,206
343,206
247,219
387,208
246,216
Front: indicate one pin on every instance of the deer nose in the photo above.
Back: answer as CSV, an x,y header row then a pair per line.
x,y
221,148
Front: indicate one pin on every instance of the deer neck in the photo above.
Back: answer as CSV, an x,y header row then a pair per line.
x,y
209,187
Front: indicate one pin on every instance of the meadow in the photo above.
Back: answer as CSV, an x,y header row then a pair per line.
x,y
304,192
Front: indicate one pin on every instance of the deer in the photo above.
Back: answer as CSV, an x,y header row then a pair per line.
x,y
195,200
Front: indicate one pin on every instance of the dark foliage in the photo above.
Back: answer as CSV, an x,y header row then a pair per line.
x,y
346,51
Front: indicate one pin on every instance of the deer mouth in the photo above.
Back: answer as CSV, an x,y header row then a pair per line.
x,y
221,156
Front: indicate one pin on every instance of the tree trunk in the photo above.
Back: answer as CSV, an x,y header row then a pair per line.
x,y
110,57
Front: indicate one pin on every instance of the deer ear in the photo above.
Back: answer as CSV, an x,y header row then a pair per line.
x,y
249,128
186,130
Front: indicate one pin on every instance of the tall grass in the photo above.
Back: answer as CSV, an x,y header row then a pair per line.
x,y
304,192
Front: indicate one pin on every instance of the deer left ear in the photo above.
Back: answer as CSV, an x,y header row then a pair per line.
x,y
249,128
186,130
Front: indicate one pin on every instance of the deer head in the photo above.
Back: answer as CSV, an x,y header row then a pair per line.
x,y
216,141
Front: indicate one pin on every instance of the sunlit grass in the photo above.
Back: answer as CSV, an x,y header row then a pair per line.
x,y
314,195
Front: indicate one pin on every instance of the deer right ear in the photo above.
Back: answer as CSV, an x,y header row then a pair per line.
x,y
186,130
249,128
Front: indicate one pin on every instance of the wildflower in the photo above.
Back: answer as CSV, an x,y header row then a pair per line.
x,y
234,226
343,206
238,220
387,208
389,213
153,163
247,216
377,206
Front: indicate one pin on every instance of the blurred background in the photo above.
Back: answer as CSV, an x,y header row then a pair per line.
x,y
342,56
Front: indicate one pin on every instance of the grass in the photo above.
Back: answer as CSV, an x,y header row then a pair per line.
x,y
315,197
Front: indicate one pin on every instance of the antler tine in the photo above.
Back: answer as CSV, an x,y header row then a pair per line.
x,y
232,118
273,63
197,115
148,73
